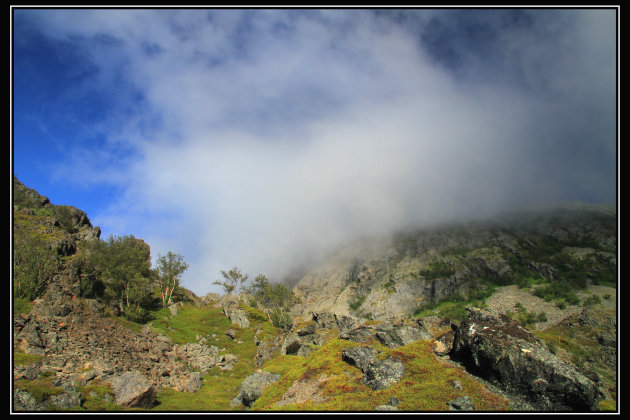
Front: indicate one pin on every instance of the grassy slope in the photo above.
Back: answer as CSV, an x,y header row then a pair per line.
x,y
426,386
219,386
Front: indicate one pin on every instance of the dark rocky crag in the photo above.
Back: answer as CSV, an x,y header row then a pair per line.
x,y
500,350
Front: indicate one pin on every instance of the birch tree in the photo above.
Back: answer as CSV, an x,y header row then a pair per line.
x,y
170,267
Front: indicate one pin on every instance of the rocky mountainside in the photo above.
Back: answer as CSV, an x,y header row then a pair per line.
x,y
396,277
439,320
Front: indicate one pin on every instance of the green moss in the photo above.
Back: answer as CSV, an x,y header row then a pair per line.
x,y
21,306
608,405
426,385
436,270
23,359
98,397
40,389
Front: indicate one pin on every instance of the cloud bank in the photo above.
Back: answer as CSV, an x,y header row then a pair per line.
x,y
259,138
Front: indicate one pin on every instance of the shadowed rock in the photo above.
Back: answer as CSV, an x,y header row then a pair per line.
x,y
501,351
132,389
253,386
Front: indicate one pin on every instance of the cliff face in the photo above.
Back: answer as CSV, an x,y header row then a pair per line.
x,y
397,276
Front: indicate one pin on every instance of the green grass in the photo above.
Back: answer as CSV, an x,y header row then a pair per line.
x,y
217,391
218,387
98,397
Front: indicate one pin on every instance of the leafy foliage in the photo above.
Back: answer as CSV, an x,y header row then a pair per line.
x,y
121,271
34,263
169,269
234,280
436,270
275,298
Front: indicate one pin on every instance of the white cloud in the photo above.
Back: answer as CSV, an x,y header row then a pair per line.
x,y
284,133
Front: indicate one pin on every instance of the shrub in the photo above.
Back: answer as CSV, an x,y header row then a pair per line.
x,y
280,319
592,300
34,263
436,270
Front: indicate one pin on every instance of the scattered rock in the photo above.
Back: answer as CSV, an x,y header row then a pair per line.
x,y
307,389
67,400
23,401
267,349
308,329
198,356
189,383
345,322
360,334
301,342
325,320
231,332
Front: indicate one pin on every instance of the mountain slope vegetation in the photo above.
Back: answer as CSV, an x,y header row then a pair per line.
x,y
373,328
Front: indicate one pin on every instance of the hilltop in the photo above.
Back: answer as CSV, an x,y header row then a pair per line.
x,y
514,313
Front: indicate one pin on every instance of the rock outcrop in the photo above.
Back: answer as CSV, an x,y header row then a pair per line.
x,y
500,350
391,278
377,374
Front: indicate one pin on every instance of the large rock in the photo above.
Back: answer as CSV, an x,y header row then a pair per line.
x,y
253,386
187,383
443,345
198,356
301,345
268,349
377,374
380,374
400,335
132,389
500,350
325,319
360,357
361,334
238,317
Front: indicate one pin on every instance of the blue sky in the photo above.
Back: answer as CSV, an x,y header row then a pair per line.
x,y
259,138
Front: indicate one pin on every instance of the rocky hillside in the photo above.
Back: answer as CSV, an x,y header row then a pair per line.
x,y
442,320
570,247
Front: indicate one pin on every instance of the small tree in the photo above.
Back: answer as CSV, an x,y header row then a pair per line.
x,y
34,263
169,268
275,298
122,262
233,280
